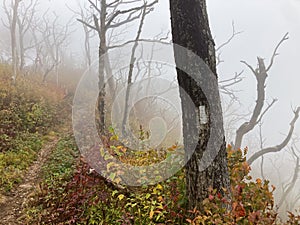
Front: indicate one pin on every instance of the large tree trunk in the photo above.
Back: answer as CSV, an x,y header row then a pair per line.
x,y
14,53
190,29
102,52
21,44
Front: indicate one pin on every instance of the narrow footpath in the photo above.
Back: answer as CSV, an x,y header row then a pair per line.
x,y
11,207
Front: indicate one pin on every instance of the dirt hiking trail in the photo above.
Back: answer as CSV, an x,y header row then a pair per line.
x,y
11,207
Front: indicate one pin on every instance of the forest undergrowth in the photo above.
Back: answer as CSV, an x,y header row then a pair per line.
x,y
65,190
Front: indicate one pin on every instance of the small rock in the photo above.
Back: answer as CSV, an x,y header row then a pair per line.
x,y
26,186
3,199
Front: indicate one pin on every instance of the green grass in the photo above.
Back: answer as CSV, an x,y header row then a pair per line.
x,y
55,175
15,162
28,111
61,163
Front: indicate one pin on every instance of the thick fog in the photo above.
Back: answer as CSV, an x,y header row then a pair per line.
x,y
262,25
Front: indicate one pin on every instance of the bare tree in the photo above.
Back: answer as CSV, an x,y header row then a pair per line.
x,y
84,15
294,201
227,89
55,40
20,14
261,145
5,53
256,119
280,146
287,189
261,74
145,11
190,29
24,21
107,16
12,17
225,43
36,31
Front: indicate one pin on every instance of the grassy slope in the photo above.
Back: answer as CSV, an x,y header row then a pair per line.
x,y
28,112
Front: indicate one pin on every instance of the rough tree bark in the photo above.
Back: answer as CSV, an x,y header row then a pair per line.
x,y
190,29
102,51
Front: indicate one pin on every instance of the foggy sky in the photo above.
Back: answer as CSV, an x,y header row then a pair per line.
x,y
263,24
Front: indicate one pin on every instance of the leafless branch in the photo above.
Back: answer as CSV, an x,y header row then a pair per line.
x,y
87,24
250,67
261,76
224,85
218,49
280,146
261,140
131,66
95,6
266,110
285,37
292,184
131,11
140,40
234,33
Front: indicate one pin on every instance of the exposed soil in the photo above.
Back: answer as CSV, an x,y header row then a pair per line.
x,y
11,206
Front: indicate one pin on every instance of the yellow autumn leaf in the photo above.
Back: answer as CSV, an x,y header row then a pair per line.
x,y
148,195
121,196
160,198
151,214
159,187
117,180
109,165
102,152
114,137
160,206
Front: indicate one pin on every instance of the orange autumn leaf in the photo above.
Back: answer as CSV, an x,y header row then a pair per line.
x,y
258,180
